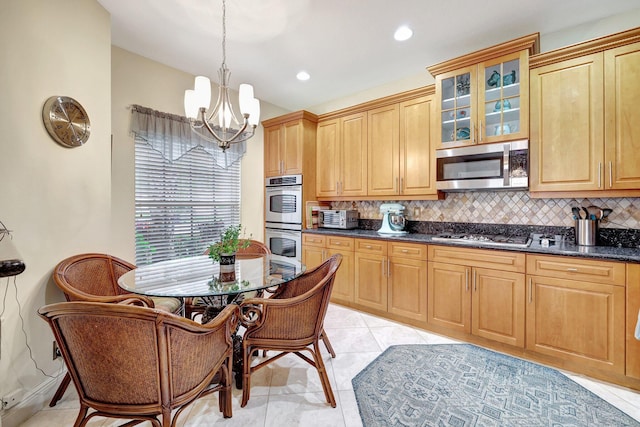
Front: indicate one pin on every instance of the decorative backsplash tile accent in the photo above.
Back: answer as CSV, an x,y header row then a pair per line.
x,y
509,207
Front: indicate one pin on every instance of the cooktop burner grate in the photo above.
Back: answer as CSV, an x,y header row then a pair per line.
x,y
485,239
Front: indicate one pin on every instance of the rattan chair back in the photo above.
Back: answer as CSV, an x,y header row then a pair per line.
x,y
290,325
136,362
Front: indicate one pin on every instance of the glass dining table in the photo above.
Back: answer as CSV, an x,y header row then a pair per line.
x,y
199,277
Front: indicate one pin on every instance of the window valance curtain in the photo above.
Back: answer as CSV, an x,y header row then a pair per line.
x,y
171,135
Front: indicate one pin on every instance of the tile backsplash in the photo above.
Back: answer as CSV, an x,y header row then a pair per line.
x,y
508,207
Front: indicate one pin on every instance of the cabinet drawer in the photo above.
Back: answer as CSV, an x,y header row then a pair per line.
x,y
500,260
314,240
344,243
371,246
408,250
607,272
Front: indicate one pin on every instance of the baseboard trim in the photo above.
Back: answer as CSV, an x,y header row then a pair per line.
x,y
33,401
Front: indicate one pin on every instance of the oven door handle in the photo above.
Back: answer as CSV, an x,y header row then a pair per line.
x,y
285,232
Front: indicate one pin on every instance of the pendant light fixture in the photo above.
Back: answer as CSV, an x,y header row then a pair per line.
x,y
220,124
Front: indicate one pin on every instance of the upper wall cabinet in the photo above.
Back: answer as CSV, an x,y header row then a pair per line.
x,y
378,149
483,97
400,147
289,144
342,157
584,132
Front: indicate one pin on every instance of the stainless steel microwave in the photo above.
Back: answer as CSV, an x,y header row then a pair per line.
x,y
503,165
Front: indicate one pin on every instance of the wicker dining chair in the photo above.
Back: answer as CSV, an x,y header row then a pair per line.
x,y
289,325
299,286
93,277
195,306
139,363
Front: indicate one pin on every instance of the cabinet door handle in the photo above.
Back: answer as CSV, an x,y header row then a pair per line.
x,y
572,269
466,279
340,188
475,283
481,134
530,290
473,132
324,255
401,185
382,265
610,175
599,174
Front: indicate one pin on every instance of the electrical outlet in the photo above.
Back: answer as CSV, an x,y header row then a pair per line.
x,y
11,399
56,350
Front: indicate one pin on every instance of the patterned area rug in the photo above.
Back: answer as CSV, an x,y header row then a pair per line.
x,y
463,385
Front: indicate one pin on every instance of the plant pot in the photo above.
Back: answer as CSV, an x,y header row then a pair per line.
x,y
227,267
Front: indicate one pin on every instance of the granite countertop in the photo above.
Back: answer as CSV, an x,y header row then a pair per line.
x,y
564,247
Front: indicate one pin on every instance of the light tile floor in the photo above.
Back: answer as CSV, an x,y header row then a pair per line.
x,y
289,393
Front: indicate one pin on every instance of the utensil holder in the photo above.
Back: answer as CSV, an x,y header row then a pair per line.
x,y
586,232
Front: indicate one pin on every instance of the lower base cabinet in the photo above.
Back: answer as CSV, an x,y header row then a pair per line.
x,y
486,302
576,311
391,277
316,249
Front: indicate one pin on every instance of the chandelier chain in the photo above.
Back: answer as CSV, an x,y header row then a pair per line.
x,y
224,34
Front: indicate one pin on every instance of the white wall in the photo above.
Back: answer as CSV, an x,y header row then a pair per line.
x,y
56,200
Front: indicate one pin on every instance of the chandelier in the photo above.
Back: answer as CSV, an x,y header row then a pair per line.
x,y
220,125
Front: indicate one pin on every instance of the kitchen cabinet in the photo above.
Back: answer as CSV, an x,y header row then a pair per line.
x,y
633,308
391,277
483,97
342,156
400,149
477,291
317,248
290,144
582,114
384,151
576,311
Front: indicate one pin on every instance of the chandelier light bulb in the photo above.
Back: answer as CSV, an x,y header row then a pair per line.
x,y
203,91
190,104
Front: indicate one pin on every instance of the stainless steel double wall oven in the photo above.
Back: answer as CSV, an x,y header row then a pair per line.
x,y
283,203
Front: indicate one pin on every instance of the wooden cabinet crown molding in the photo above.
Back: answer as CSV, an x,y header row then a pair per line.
x,y
530,43
585,48
380,102
297,115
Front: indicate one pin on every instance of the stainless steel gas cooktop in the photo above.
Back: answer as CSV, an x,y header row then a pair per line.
x,y
485,240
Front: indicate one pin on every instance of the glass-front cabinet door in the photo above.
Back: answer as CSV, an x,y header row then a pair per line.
x,y
457,95
504,99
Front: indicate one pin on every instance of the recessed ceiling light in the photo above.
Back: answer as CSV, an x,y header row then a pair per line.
x,y
303,76
403,33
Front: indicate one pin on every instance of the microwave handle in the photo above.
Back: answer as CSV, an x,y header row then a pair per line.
x,y
506,161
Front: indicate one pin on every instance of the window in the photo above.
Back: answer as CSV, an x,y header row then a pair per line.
x,y
183,205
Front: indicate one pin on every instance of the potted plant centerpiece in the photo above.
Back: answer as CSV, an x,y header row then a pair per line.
x,y
224,251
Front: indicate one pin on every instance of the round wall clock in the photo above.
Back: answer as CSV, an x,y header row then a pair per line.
x,y
66,121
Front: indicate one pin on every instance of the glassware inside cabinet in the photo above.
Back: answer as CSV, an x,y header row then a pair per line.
x,y
502,98
456,108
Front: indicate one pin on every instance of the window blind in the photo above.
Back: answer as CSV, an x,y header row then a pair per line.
x,y
181,206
